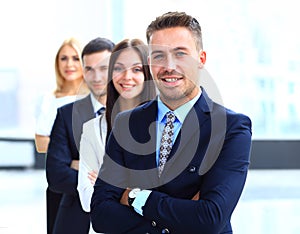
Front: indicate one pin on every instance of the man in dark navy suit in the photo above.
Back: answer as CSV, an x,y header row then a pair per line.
x,y
177,164
62,157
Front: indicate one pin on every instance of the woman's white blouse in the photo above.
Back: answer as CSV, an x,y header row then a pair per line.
x,y
47,110
92,149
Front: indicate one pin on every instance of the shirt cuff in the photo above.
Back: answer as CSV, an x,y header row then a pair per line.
x,y
140,201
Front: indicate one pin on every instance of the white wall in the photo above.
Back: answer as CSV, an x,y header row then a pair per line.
x,y
236,34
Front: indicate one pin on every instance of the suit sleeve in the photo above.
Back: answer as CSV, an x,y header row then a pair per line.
x,y
60,176
219,193
85,188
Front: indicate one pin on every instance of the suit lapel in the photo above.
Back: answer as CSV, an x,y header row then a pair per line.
x,y
142,147
197,116
188,138
149,122
82,111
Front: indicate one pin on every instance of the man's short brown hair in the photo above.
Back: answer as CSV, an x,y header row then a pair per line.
x,y
176,19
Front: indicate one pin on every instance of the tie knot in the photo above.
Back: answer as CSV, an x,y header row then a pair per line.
x,y
170,117
100,111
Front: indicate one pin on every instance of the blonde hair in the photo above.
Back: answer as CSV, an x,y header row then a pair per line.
x,y
75,44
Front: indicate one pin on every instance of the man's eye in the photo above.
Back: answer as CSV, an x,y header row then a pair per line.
x,y
158,57
103,68
180,54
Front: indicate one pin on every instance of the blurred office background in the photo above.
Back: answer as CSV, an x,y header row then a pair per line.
x,y
253,67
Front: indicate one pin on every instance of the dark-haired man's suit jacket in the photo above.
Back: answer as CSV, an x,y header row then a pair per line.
x,y
63,148
210,155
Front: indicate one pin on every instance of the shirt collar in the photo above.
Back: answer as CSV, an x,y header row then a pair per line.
x,y
181,112
96,105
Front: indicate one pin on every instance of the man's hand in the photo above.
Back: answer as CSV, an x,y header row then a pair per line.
x,y
196,197
124,198
92,175
75,165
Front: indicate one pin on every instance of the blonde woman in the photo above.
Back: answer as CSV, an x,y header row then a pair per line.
x,y
69,86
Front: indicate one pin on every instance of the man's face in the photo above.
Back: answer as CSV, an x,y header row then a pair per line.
x,y
95,71
175,63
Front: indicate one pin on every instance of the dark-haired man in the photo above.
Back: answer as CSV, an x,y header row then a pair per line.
x,y
62,160
177,164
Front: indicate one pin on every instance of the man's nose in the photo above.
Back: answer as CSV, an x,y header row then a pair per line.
x,y
170,63
98,75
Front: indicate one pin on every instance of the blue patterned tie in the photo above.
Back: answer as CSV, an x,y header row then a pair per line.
x,y
166,141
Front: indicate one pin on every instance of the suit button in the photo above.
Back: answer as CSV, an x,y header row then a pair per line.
x,y
192,169
165,230
153,224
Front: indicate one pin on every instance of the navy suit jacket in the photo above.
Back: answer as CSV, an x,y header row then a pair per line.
x,y
63,148
210,155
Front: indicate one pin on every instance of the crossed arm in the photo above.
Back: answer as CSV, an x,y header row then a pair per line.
x,y
220,190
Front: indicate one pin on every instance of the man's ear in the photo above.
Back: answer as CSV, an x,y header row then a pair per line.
x,y
202,58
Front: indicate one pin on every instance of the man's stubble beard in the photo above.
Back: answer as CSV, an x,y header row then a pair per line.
x,y
177,98
99,95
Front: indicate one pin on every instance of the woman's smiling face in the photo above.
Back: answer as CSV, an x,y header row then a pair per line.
x,y
128,75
